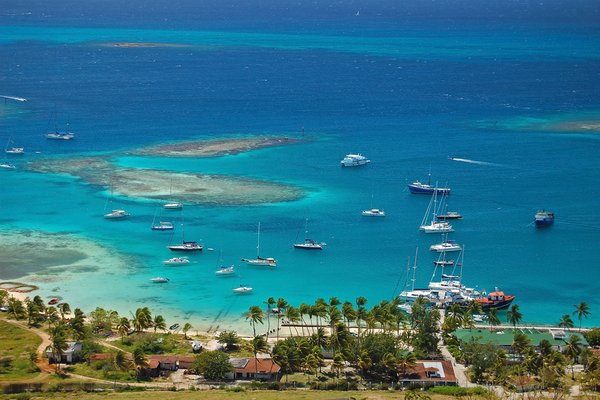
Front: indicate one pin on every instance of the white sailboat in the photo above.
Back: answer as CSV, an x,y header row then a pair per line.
x,y
116,214
15,151
173,205
435,226
263,261
186,245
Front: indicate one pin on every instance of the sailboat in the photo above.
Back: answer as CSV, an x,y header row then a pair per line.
x,y
373,212
116,214
172,205
309,244
59,135
162,225
435,226
268,261
187,246
15,151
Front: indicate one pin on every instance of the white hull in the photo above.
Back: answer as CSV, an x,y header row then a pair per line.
x,y
116,214
374,212
243,290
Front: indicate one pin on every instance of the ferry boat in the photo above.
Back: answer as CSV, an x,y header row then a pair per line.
x,y
116,214
354,160
496,299
543,219
373,212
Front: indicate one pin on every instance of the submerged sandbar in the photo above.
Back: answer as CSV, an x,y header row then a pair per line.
x,y
186,187
214,147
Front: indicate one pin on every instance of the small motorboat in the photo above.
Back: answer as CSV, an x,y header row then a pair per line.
x,y
173,206
223,271
174,327
116,214
160,280
177,261
243,289
53,301
373,212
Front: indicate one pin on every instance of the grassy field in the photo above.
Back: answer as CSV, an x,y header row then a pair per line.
x,y
225,395
16,344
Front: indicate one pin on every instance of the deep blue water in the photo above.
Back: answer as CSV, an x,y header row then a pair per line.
x,y
407,85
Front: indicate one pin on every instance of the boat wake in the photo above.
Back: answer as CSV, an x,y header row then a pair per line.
x,y
466,160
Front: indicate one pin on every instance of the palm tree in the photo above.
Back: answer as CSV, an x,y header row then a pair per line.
x,y
255,314
514,316
406,362
390,363
281,306
361,313
139,359
16,307
159,323
186,327
304,309
348,312
572,350
259,345
582,310
229,338
59,343
142,319
123,327
338,364
293,316
319,310
270,303
51,315
566,322
493,318
64,309
121,361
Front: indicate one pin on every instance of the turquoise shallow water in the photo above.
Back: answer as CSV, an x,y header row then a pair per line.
x,y
407,99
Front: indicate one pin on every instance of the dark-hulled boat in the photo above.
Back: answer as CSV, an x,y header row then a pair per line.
x,y
186,246
543,219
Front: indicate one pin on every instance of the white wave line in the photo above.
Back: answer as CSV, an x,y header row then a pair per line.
x,y
466,160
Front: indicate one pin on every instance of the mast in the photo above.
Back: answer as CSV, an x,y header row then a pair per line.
x,y
258,241
414,269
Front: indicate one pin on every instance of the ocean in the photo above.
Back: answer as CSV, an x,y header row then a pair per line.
x,y
511,91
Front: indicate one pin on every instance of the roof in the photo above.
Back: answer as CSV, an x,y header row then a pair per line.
x,y
442,368
505,337
252,365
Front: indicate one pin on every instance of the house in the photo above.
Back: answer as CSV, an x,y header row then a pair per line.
x,y
170,363
264,369
431,372
69,355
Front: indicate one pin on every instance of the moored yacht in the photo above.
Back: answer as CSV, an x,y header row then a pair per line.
x,y
186,246
544,218
496,299
308,244
354,160
373,212
242,290
173,206
159,279
163,226
6,165
177,261
449,215
225,271
15,151
447,246
116,214
60,135
436,227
